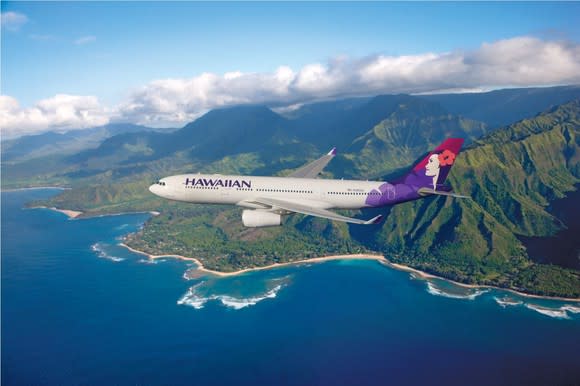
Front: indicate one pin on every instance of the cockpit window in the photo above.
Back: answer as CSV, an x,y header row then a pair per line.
x,y
162,183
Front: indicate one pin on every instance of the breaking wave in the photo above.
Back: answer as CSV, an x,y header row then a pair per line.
x,y
469,295
150,261
571,308
507,301
559,313
194,299
562,312
99,250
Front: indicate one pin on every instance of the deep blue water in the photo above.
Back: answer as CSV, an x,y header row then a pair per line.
x,y
79,309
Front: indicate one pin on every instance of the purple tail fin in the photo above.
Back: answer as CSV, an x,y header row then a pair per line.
x,y
432,171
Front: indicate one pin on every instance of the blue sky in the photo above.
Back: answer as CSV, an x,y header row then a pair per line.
x,y
109,49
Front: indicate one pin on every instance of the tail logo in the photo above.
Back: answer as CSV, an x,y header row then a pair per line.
x,y
446,158
435,162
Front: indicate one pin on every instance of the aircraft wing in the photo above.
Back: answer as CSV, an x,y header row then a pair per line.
x,y
312,211
314,168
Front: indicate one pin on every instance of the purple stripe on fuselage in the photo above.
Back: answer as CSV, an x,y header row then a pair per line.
x,y
389,194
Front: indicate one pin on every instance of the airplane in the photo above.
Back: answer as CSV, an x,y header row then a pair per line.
x,y
266,200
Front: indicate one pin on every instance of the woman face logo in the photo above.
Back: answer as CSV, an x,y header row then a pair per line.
x,y
432,166
435,162
432,169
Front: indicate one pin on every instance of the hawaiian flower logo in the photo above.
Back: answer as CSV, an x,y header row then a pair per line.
x,y
435,162
446,158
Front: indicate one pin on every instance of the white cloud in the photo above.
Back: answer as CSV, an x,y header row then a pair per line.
x,y
12,21
521,61
176,101
61,112
85,40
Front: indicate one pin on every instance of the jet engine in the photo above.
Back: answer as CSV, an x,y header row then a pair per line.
x,y
259,218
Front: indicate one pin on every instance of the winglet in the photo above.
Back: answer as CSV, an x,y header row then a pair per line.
x,y
332,151
374,220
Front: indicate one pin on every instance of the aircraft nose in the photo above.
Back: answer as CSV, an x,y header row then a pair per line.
x,y
154,189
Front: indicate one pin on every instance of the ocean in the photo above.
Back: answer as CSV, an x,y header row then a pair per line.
x,y
78,309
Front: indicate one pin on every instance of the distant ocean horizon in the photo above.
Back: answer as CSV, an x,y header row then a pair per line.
x,y
77,308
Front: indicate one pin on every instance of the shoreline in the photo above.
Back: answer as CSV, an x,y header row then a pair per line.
x,y
266,267
425,275
71,214
380,258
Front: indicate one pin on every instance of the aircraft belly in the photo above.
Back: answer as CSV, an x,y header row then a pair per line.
x,y
205,197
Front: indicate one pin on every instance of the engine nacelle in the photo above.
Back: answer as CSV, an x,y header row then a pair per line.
x,y
259,218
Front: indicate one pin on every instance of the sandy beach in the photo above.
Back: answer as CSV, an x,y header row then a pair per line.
x,y
379,258
68,212
75,213
271,266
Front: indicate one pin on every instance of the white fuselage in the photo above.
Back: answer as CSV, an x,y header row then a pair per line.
x,y
241,190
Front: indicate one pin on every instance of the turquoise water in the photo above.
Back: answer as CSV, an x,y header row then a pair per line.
x,y
79,309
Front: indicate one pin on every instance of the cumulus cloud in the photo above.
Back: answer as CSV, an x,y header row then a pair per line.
x,y
85,40
180,100
516,62
12,21
520,61
61,112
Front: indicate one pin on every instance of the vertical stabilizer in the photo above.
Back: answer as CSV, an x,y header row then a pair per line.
x,y
432,170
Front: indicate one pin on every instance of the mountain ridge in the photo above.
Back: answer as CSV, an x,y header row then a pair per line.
x,y
512,174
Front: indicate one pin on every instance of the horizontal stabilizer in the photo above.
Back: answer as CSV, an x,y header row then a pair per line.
x,y
428,192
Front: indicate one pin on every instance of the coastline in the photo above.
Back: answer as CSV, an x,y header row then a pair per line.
x,y
201,268
425,275
70,213
380,258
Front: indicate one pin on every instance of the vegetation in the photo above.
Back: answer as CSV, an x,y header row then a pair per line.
x,y
512,174
217,238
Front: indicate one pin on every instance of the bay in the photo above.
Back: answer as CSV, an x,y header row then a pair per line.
x,y
78,309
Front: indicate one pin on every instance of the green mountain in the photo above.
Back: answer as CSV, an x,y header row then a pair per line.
x,y
45,159
411,128
511,173
503,107
70,142
276,141
338,123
